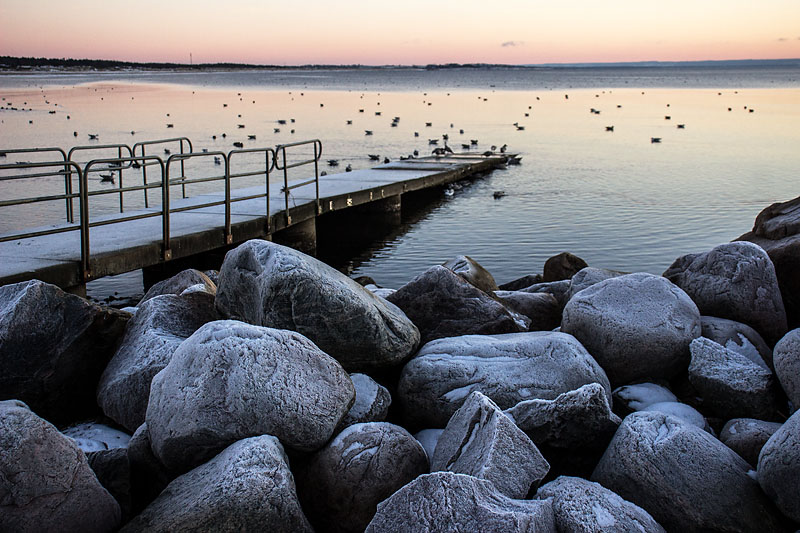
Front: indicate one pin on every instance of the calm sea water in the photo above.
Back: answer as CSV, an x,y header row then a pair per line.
x,y
613,198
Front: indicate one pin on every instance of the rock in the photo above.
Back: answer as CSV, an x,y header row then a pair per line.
x,y
589,276
558,289
582,506
213,275
371,404
113,471
94,437
787,365
380,291
737,337
636,326
442,304
53,347
179,283
247,487
736,281
521,283
363,465
541,308
471,271
562,266
779,467
746,436
45,481
575,419
776,230
684,477
685,412
447,502
160,325
148,476
231,380
481,441
428,439
267,284
638,396
730,384
507,368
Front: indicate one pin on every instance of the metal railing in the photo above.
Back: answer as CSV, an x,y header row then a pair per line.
x,y
282,163
141,147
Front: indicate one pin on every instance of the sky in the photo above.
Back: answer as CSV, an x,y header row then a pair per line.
x,y
408,32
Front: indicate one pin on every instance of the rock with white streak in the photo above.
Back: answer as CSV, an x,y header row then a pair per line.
x,y
779,467
638,396
739,338
685,412
481,441
787,365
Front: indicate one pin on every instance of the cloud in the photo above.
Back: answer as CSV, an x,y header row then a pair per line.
x,y
512,43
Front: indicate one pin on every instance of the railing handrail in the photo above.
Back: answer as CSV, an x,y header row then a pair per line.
x,y
281,150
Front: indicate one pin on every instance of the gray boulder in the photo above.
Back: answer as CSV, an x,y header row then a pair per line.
x,y
46,483
638,396
589,276
267,284
787,365
159,326
779,467
473,272
53,348
442,304
746,436
342,483
481,441
730,384
736,281
371,404
562,266
575,419
558,289
684,477
737,337
454,503
148,476
247,487
113,471
582,506
231,380
521,283
636,326
178,283
541,308
507,368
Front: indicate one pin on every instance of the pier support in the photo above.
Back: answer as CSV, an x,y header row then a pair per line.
x,y
301,236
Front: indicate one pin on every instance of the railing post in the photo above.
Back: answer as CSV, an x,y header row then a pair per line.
x,y
83,207
286,185
166,252
144,176
316,173
267,167
228,233
121,205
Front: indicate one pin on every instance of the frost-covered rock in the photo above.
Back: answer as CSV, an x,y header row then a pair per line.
x,y
428,439
148,476
371,404
746,436
443,304
737,281
507,368
582,506
685,412
342,483
267,284
521,283
787,365
636,326
684,477
473,272
737,337
589,276
638,396
779,467
153,334
541,308
562,266
447,502
94,437
53,348
113,471
231,380
730,384
574,419
247,487
558,289
179,283
481,441
45,481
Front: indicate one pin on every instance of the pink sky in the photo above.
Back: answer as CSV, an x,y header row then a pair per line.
x,y
408,32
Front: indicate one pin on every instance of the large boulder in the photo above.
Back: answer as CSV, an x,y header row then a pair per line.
x,y
247,487
507,368
636,326
159,326
342,483
684,477
582,506
787,365
541,308
448,502
736,281
472,271
777,231
180,282
731,385
746,436
562,266
371,404
737,337
779,467
586,277
46,483
481,441
231,380
267,284
53,348
443,304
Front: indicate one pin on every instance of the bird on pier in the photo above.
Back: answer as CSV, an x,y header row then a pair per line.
x,y
416,153
503,148
493,148
386,160
348,168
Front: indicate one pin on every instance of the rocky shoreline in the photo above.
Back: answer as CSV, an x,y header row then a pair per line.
x,y
280,395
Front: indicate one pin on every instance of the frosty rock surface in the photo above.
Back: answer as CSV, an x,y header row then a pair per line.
x,y
746,436
638,396
371,404
179,283
587,277
685,412
787,365
473,272
779,467
739,338
541,308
